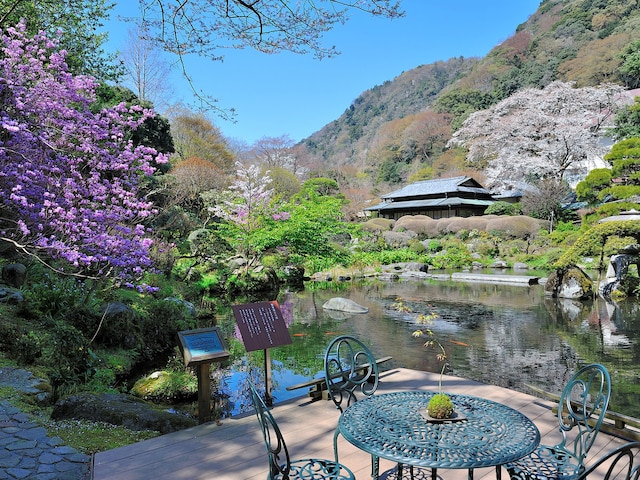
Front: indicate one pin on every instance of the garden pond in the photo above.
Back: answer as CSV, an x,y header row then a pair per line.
x,y
506,335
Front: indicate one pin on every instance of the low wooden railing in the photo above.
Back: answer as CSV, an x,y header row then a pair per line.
x,y
617,424
318,386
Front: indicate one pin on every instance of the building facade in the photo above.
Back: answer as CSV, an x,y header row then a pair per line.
x,y
440,198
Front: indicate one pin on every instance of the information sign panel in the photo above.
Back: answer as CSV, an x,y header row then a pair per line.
x,y
203,345
261,325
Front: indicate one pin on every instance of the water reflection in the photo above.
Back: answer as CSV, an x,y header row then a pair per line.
x,y
511,336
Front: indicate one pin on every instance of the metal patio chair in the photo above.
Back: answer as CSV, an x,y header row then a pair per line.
x,y
582,406
351,372
621,463
281,467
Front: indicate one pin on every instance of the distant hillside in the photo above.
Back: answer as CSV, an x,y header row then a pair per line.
x,y
407,94
568,40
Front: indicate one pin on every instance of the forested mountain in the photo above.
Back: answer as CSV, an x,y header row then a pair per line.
x,y
400,131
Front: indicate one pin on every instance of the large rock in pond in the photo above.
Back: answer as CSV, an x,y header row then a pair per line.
x,y
119,409
344,305
571,283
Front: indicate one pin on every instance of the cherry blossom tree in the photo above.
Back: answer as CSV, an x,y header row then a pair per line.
x,y
250,204
555,132
69,177
205,28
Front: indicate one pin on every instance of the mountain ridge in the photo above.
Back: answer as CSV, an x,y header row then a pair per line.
x,y
576,41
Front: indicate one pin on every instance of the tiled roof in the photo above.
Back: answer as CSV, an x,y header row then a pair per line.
x,y
438,186
434,202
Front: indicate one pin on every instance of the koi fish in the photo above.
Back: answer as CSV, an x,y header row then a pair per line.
x,y
460,343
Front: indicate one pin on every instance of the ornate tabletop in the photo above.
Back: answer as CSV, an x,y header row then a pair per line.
x,y
391,426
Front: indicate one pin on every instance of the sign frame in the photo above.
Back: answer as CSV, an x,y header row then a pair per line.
x,y
202,345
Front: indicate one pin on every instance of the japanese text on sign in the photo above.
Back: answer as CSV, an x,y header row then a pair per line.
x,y
261,325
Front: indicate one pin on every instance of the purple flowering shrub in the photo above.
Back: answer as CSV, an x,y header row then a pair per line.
x,y
69,178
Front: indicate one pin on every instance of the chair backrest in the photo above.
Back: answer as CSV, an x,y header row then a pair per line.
x,y
279,460
350,369
622,463
583,405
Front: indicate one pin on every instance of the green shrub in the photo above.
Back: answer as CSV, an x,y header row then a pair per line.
x,y
66,356
544,261
28,348
154,327
455,257
417,247
564,237
503,208
520,226
434,246
387,257
52,295
485,245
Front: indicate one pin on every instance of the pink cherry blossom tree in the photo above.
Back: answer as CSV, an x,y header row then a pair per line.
x,y
69,176
249,204
555,132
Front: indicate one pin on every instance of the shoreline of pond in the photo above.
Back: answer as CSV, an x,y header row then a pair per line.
x,y
420,271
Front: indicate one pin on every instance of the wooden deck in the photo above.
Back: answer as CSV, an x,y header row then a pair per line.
x,y
235,449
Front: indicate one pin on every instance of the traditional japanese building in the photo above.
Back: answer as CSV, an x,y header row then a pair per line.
x,y
440,198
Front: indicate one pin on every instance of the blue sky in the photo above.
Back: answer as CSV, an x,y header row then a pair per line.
x,y
295,95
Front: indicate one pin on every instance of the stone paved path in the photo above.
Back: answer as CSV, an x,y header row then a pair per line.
x,y
26,452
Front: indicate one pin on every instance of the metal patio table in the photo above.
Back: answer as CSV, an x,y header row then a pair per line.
x,y
483,434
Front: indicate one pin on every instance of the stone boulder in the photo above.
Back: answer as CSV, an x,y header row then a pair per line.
x,y
189,307
120,409
395,239
344,305
572,283
10,295
14,274
293,275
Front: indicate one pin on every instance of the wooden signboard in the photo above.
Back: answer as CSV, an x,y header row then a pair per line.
x,y
261,325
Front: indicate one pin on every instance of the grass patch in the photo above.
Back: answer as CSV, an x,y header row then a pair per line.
x,y
93,437
86,437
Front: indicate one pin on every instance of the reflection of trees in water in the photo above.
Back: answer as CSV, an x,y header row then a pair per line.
x,y
608,332
509,336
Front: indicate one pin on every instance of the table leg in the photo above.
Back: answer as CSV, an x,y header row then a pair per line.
x,y
471,474
499,472
375,467
434,474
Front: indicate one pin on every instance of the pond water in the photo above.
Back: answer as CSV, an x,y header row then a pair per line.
x,y
506,335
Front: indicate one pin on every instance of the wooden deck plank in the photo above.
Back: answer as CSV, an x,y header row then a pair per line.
x,y
235,450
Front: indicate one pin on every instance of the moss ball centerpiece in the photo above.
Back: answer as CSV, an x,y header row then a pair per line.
x,y
440,406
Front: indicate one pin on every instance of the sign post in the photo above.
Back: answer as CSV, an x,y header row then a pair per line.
x,y
262,326
200,348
